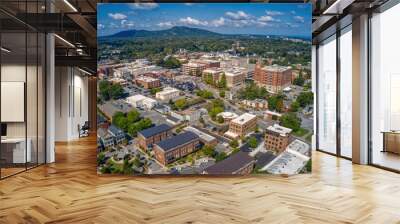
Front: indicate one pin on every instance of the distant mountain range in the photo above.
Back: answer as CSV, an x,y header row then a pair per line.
x,y
179,31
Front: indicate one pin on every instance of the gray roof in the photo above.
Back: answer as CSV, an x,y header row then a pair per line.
x,y
103,133
177,140
230,165
154,130
114,130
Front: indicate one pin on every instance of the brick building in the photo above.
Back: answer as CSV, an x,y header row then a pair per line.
x,y
172,149
274,78
239,163
241,126
147,82
277,138
150,136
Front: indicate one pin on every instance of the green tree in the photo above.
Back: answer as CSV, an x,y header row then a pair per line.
x,y
116,91
276,102
180,103
155,90
299,81
290,120
120,121
208,150
294,107
133,116
305,98
252,141
234,143
222,93
220,119
222,81
221,156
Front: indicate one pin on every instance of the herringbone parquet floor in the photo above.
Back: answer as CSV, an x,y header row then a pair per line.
x,y
70,191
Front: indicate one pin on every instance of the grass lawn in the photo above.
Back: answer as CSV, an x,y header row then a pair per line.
x,y
301,132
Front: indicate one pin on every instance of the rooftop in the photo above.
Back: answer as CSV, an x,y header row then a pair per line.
x,y
202,135
146,79
167,90
299,147
276,68
103,133
244,118
230,165
113,129
154,130
177,140
279,129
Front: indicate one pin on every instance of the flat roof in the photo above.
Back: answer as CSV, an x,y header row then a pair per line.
x,y
154,130
167,90
276,68
279,129
146,79
177,140
202,135
231,164
244,118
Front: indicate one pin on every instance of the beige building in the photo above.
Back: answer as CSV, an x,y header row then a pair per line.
x,y
277,138
196,67
242,126
234,77
167,94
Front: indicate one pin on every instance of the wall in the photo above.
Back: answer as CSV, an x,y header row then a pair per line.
x,y
71,102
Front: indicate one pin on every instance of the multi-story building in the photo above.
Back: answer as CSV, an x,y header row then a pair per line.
x,y
196,67
274,78
193,68
277,138
239,163
147,82
234,77
241,126
205,138
117,134
172,149
213,73
167,94
148,137
141,101
105,137
191,115
257,104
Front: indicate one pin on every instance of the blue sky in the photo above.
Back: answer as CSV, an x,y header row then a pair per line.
x,y
229,18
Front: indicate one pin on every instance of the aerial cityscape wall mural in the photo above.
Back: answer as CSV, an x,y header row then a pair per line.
x,y
204,88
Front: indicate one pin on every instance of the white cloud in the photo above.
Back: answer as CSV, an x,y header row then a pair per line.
x,y
191,21
239,15
291,25
218,22
273,13
117,16
145,6
165,24
189,4
266,19
100,26
127,24
293,12
299,19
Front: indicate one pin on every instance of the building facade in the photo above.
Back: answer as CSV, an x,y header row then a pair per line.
x,y
172,149
239,163
148,137
241,126
147,82
167,94
277,138
274,78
